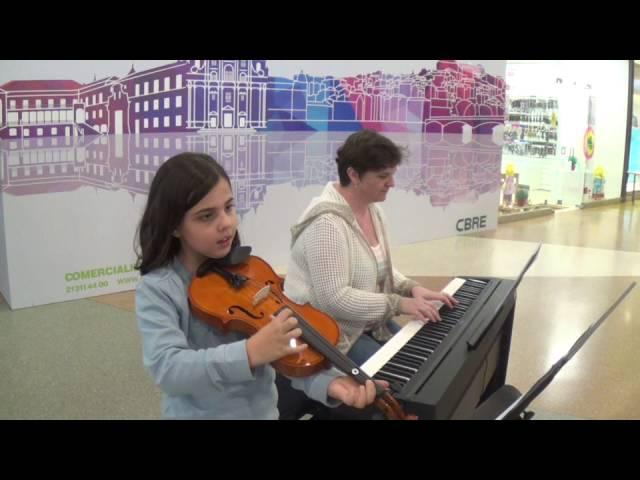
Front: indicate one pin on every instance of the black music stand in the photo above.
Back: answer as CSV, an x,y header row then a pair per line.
x,y
477,334
508,404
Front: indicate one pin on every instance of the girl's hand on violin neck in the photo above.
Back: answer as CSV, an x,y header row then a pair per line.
x,y
351,393
275,340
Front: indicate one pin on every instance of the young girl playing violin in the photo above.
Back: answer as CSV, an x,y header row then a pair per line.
x,y
204,373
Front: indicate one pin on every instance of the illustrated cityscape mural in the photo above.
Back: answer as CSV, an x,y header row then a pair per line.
x,y
213,95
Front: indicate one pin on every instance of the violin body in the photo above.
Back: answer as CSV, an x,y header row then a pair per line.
x,y
246,310
243,296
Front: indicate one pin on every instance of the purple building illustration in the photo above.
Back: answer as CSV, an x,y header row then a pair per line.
x,y
188,95
41,108
211,95
444,100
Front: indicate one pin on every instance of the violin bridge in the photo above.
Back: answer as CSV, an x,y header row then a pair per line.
x,y
261,295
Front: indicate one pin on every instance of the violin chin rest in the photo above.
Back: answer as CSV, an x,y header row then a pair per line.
x,y
239,255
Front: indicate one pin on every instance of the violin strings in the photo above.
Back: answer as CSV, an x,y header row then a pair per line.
x,y
315,338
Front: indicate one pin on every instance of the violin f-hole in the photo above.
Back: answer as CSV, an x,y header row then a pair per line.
x,y
233,307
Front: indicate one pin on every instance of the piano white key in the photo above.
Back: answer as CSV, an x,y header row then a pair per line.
x,y
389,349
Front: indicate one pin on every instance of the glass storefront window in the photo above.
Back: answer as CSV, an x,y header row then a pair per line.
x,y
565,135
634,146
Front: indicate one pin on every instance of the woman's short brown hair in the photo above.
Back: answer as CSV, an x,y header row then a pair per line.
x,y
364,151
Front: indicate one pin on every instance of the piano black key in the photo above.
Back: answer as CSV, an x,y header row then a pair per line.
x,y
469,291
394,384
449,323
406,360
421,347
466,295
457,309
436,333
460,305
433,335
406,349
447,320
424,340
401,368
460,296
469,288
429,327
411,369
417,350
462,302
398,371
405,354
393,375
427,335
463,305
438,326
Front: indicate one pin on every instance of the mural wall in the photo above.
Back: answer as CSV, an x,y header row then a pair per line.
x,y
76,160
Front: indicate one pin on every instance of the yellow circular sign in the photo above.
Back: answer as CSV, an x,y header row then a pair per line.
x,y
589,143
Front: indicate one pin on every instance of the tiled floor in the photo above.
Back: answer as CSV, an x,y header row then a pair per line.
x,y
82,359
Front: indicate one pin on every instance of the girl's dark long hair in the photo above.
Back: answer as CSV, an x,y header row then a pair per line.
x,y
179,184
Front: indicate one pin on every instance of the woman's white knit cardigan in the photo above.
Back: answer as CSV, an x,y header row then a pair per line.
x,y
333,267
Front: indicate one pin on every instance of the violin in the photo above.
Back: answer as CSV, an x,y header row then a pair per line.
x,y
242,295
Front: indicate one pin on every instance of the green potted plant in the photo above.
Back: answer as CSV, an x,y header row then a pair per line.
x,y
521,197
